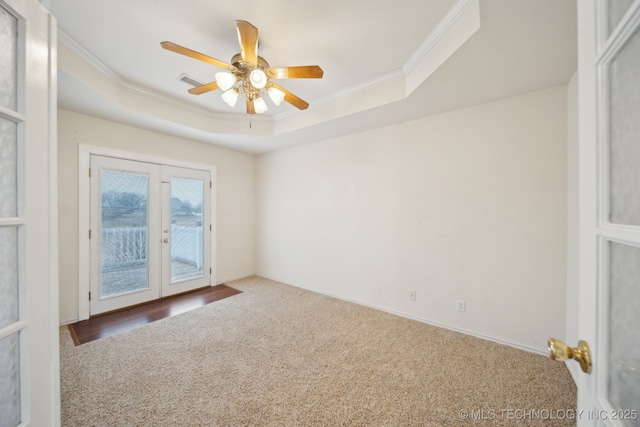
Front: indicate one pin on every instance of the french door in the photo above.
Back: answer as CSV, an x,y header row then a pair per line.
x,y
609,159
29,363
150,231
186,230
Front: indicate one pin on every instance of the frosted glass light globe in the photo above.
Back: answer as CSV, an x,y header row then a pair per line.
x,y
258,78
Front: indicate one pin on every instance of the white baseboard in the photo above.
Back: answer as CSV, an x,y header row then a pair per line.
x,y
463,331
220,282
427,321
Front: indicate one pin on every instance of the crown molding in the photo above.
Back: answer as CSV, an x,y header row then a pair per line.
x,y
89,58
126,86
107,72
348,92
443,27
390,87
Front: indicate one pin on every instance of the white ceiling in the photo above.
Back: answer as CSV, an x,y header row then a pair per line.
x,y
383,61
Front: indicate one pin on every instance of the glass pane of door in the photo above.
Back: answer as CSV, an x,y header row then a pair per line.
x,y
10,380
187,245
624,134
8,168
8,62
624,310
8,277
615,11
124,232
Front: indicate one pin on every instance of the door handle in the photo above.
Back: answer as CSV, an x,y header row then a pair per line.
x,y
582,354
166,240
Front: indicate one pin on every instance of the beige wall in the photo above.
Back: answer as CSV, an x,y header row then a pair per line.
x,y
235,204
468,205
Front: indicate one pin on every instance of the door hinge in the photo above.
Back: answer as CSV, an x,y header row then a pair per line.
x,y
89,233
210,184
89,295
89,172
210,227
210,270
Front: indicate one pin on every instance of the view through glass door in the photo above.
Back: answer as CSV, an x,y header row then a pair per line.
x,y
151,226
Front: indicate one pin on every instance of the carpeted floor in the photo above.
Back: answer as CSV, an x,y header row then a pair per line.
x,y
276,355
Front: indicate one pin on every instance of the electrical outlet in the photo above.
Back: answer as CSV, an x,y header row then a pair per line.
x,y
460,305
412,295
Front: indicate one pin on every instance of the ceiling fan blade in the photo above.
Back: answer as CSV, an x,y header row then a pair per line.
x,y
248,38
301,72
292,99
196,55
199,90
251,109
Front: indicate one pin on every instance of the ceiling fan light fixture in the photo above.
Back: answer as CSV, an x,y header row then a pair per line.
x,y
248,74
230,97
259,105
258,78
225,80
276,95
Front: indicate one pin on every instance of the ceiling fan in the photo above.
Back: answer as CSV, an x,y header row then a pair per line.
x,y
249,75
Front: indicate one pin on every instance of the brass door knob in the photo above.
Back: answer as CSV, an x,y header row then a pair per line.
x,y
560,351
166,240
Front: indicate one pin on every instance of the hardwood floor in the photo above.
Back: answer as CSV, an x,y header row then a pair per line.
x,y
108,324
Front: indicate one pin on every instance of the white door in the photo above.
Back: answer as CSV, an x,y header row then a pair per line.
x,y
150,231
125,217
186,229
609,163
29,365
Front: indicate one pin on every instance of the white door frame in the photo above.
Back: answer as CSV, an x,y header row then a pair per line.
x,y
84,210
